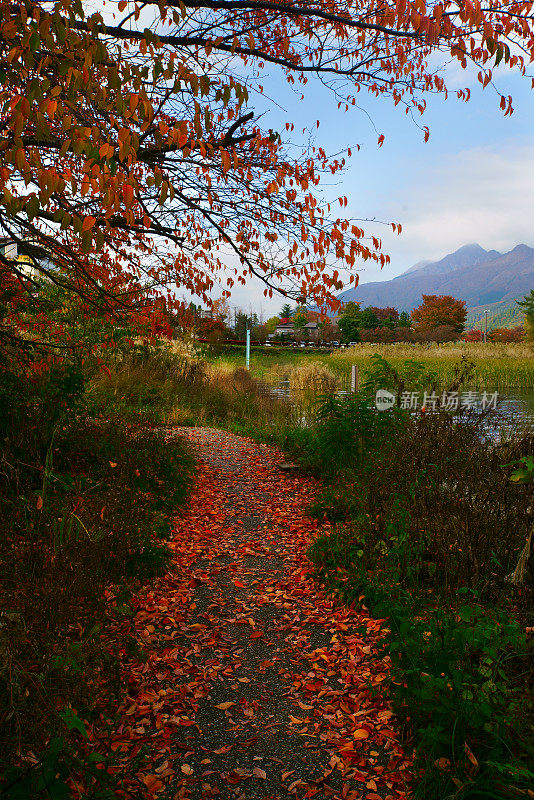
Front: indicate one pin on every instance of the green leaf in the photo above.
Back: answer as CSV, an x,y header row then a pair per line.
x,y
35,41
32,207
73,722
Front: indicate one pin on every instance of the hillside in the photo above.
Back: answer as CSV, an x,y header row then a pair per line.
x,y
480,277
505,314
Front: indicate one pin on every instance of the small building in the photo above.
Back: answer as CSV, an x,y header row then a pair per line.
x,y
24,257
311,331
285,327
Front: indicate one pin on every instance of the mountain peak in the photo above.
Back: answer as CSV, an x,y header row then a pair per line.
x,y
522,249
465,256
478,276
473,247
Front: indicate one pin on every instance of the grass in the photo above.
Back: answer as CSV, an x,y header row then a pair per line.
x,y
146,385
71,552
428,527
497,366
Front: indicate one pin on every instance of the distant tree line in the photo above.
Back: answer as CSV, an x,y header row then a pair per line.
x,y
439,318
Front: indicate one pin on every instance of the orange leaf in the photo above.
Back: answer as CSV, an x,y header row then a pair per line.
x,y
153,783
88,223
225,160
128,195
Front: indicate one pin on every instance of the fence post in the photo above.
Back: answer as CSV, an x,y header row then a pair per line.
x,y
247,351
354,378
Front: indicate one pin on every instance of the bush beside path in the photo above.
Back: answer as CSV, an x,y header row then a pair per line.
x,y
241,679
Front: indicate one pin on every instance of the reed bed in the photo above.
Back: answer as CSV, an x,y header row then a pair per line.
x,y
313,377
497,365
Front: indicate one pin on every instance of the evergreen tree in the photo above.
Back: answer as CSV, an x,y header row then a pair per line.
x,y
527,306
242,322
349,323
286,311
369,319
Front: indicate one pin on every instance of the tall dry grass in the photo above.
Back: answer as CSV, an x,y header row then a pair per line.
x,y
448,350
173,384
497,365
313,377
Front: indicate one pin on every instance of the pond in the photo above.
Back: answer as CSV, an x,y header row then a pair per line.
x,y
514,410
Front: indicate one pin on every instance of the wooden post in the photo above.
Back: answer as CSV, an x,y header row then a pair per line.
x,y
354,379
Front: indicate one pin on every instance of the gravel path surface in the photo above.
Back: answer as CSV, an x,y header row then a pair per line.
x,y
254,685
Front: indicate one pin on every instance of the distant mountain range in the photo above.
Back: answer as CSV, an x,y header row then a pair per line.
x,y
485,279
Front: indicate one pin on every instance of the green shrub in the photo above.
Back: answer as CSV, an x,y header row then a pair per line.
x,y
459,680
429,528
67,537
346,430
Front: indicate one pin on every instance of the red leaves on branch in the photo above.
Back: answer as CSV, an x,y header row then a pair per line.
x,y
130,154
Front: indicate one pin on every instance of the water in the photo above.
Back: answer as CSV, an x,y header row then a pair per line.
x,y
514,411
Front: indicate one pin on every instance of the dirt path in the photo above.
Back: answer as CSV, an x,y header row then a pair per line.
x,y
249,684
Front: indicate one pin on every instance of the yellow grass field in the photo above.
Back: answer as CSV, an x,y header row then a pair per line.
x,y
496,365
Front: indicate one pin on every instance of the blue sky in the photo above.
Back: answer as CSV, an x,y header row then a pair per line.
x,y
473,181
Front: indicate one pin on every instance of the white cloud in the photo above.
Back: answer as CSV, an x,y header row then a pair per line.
x,y
481,194
484,195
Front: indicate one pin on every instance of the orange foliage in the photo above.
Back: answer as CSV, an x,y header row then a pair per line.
x,y
209,328
506,334
441,310
129,153
189,679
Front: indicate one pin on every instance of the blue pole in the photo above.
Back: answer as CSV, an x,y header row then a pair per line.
x,y
248,349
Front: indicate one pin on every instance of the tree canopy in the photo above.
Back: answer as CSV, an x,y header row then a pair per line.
x,y
131,154
437,311
527,307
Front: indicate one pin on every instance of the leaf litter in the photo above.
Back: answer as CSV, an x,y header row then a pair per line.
x,y
248,682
